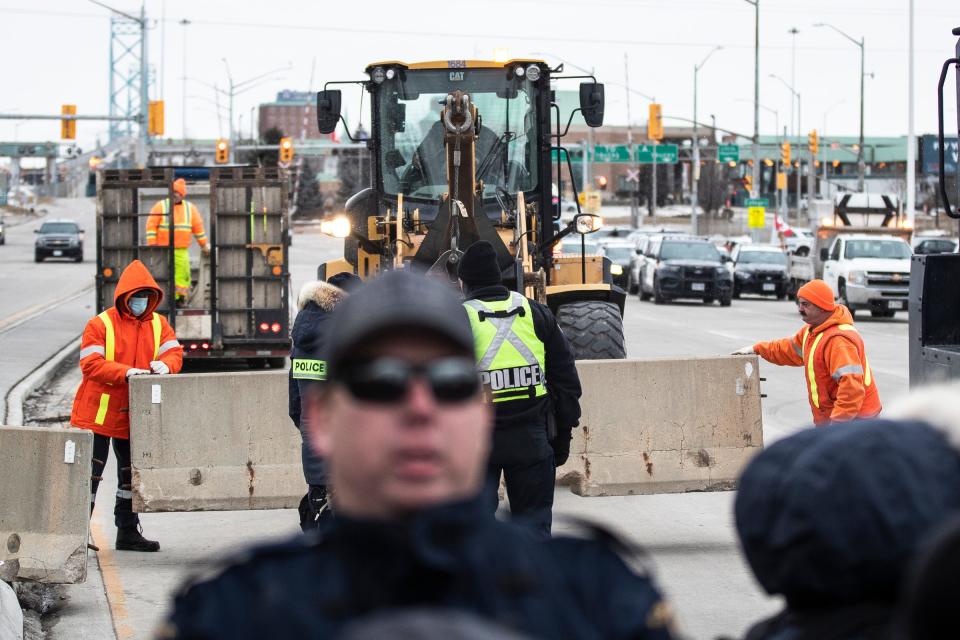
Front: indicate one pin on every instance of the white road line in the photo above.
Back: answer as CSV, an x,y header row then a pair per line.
x,y
17,319
729,336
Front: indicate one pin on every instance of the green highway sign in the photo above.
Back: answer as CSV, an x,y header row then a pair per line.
x,y
729,153
665,153
757,202
29,149
619,153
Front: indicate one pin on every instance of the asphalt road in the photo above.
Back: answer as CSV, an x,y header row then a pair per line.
x,y
690,537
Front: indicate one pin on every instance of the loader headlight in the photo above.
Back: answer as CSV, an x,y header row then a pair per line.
x,y
616,270
533,73
519,70
378,75
338,227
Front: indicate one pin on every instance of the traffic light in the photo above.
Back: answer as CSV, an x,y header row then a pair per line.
x,y
781,180
655,122
748,183
68,128
155,118
814,141
223,152
785,154
601,182
286,150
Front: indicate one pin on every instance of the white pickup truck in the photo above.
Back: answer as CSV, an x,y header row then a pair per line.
x,y
869,272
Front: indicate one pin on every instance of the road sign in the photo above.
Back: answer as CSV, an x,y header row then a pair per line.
x,y
729,153
666,153
611,153
756,213
29,149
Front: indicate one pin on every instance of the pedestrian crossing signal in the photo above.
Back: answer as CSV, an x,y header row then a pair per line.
x,y
223,152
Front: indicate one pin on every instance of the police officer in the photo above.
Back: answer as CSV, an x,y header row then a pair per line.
x,y
404,426
526,362
307,366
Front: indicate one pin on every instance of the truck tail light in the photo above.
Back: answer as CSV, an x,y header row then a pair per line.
x,y
264,327
275,327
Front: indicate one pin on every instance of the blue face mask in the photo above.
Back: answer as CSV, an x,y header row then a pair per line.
x,y
137,304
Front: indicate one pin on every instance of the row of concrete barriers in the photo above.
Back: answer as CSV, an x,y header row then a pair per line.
x,y
203,442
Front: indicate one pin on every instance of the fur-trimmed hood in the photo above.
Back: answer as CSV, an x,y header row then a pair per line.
x,y
323,293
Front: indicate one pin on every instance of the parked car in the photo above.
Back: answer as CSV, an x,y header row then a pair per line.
x,y
869,272
58,239
760,269
685,267
622,255
925,246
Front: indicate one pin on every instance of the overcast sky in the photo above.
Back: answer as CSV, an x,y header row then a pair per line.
x,y
57,51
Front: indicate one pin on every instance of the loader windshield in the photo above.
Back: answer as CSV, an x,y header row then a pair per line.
x,y
412,156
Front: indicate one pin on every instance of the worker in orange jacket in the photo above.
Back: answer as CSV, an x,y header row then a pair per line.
x,y
187,224
840,383
127,339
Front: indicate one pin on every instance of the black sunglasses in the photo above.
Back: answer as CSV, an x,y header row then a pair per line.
x,y
386,380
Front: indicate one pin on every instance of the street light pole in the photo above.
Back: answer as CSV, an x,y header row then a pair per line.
x,y
794,95
756,97
911,135
861,163
183,126
695,167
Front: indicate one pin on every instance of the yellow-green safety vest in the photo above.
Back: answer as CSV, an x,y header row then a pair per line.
x,y
510,356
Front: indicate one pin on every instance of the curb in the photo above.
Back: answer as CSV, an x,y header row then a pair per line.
x,y
39,376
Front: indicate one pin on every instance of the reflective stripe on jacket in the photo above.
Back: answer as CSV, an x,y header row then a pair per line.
x,y
184,227
112,343
840,383
510,356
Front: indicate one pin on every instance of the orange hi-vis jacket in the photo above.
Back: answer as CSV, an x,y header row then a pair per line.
x,y
184,227
114,342
840,383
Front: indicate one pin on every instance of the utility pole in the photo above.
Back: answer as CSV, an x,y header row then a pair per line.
x,y
695,165
755,192
911,134
861,163
793,72
183,126
634,209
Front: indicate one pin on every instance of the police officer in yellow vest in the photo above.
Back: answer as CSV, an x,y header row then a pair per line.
x,y
526,363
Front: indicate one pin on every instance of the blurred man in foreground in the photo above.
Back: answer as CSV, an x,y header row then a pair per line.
x,y
405,427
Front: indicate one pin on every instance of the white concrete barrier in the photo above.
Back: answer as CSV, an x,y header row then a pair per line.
x,y
45,502
664,425
213,442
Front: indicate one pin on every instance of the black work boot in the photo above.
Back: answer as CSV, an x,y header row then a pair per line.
x,y
130,539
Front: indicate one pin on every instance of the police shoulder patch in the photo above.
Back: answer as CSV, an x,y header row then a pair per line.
x,y
308,369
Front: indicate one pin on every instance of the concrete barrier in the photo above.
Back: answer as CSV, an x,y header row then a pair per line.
x,y
11,616
664,425
224,441
45,502
213,442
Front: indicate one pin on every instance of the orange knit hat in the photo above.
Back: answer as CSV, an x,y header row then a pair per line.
x,y
180,186
819,293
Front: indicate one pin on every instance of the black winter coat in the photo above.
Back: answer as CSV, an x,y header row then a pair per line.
x,y
454,557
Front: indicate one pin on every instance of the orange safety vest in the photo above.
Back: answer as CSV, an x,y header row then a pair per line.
x,y
158,225
823,383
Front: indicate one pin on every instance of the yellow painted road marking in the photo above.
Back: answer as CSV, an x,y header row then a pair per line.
x,y
111,582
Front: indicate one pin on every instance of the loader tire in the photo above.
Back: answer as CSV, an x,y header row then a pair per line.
x,y
594,330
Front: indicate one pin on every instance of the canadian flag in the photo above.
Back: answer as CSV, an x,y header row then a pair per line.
x,y
782,227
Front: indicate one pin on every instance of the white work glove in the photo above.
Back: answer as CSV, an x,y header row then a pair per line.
x,y
133,371
744,351
158,367
205,249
